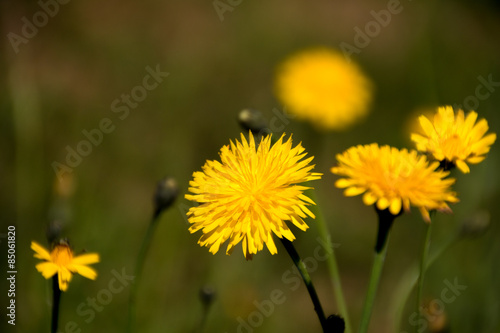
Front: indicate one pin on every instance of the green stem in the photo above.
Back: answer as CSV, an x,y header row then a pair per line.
x,y
410,280
376,273
138,272
423,266
307,280
203,319
56,301
385,223
332,265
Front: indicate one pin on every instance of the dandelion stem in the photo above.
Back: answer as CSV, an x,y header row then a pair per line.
x,y
410,280
207,296
376,272
55,303
307,280
138,271
385,223
423,264
332,265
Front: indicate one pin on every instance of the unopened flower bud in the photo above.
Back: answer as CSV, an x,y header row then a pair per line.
x,y
253,120
335,324
475,225
207,296
166,193
54,231
438,320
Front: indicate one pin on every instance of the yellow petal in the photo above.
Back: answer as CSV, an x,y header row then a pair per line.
x,y
462,166
479,130
271,246
369,198
427,126
64,277
48,269
85,271
85,259
476,159
343,183
395,206
41,252
353,191
425,214
383,203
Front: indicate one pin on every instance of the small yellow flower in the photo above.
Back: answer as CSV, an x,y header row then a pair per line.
x,y
250,195
321,86
394,179
454,138
61,261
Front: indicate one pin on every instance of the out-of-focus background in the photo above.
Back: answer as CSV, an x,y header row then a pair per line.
x,y
67,73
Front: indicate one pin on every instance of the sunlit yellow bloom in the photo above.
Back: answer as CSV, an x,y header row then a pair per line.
x,y
321,86
454,138
394,179
251,194
412,123
61,261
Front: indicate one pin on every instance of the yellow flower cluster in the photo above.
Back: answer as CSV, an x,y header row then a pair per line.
x,y
394,179
254,190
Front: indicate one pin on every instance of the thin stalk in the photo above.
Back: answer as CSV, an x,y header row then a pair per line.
x,y
423,266
384,226
138,272
56,301
203,320
376,273
410,280
307,280
332,265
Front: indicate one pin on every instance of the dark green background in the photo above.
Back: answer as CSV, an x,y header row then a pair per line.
x,y
65,78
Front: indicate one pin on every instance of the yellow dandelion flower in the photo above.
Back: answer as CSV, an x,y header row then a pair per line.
x,y
323,87
61,261
251,194
454,138
394,179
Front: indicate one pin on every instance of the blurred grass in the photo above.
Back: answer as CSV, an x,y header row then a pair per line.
x,y
64,80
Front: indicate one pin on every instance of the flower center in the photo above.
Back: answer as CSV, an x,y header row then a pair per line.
x,y
61,255
451,146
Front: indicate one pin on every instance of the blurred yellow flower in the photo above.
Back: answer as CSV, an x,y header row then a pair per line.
x,y
412,123
394,179
62,262
455,139
251,195
321,86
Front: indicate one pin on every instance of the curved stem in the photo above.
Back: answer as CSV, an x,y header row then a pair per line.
x,y
138,272
332,265
423,266
307,280
410,280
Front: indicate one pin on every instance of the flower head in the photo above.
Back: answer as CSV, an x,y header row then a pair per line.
x,y
455,139
394,179
250,195
64,263
323,87
165,194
